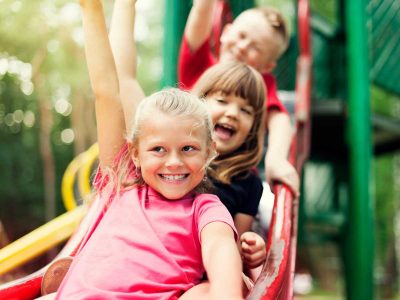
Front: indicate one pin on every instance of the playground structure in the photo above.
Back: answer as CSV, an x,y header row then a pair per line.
x,y
281,246
341,143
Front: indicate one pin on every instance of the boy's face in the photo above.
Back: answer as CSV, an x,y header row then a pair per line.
x,y
250,39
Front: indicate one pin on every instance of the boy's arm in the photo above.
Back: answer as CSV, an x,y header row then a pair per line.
x,y
199,23
277,167
124,50
222,261
104,81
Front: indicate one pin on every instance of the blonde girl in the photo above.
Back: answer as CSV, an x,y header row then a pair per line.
x,y
238,136
158,235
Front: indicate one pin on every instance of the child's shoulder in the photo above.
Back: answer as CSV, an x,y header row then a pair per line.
x,y
205,200
205,197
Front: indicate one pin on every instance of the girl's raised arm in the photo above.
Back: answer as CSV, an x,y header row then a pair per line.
x,y
124,50
104,81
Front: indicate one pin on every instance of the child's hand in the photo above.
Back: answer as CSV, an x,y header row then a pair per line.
x,y
252,249
284,172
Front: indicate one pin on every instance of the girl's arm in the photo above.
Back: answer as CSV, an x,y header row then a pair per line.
x,y
104,81
199,23
124,50
222,261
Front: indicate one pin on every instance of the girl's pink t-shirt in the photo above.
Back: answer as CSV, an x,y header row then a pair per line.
x,y
145,247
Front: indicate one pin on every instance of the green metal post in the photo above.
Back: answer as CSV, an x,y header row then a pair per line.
x,y
360,231
238,6
176,12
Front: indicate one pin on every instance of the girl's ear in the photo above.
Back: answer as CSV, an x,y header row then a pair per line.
x,y
135,156
212,152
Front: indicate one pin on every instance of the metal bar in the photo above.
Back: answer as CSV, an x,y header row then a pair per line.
x,y
359,234
176,12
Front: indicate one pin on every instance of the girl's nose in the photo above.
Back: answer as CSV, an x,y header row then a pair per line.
x,y
232,111
174,160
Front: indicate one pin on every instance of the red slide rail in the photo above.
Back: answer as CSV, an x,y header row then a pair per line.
x,y
276,279
29,287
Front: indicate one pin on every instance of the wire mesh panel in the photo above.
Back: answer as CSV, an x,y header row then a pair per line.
x,y
384,43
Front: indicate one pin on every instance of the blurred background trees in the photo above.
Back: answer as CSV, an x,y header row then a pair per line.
x,y
46,105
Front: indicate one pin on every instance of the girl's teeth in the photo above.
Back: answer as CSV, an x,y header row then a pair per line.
x,y
174,177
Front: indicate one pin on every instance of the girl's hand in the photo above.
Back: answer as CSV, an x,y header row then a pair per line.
x,y
252,250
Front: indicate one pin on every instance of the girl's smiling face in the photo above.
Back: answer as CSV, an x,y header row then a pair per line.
x,y
233,118
172,153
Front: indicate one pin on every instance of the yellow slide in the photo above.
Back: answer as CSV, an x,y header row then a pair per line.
x,y
62,227
40,240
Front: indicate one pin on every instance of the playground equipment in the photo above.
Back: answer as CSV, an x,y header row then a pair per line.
x,y
277,275
345,134
276,279
75,190
341,142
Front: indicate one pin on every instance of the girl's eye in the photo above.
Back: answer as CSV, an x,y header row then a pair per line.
x,y
188,148
158,149
247,111
221,101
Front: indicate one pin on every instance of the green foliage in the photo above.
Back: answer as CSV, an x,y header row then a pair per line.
x,y
21,185
385,103
326,9
385,204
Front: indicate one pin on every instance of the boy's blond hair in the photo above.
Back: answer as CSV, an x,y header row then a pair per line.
x,y
239,79
278,25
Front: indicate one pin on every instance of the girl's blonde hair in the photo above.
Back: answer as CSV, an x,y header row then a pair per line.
x,y
172,102
241,80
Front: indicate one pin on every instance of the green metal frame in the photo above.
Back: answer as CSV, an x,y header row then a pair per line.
x,y
176,12
359,241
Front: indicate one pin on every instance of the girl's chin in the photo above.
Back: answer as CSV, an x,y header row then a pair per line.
x,y
223,150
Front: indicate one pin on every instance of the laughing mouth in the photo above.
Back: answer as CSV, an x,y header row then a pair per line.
x,y
224,131
172,178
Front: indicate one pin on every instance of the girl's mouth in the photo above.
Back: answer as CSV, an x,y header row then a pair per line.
x,y
224,131
173,177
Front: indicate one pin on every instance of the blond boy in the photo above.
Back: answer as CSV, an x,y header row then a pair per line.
x,y
257,37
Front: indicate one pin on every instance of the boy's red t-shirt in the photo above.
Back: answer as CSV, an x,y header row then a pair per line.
x,y
192,65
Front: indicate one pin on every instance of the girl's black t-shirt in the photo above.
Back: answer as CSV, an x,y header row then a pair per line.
x,y
242,195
